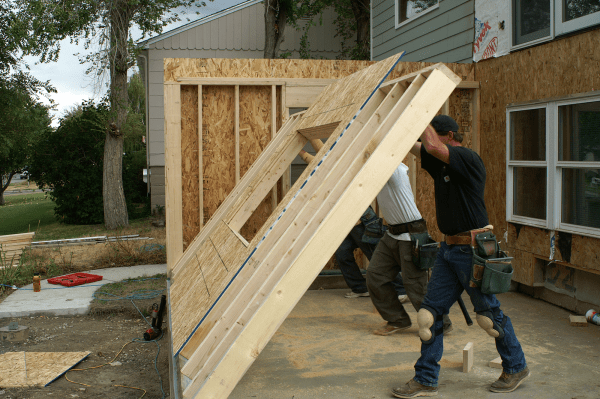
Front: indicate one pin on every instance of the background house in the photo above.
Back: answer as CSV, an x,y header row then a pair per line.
x,y
236,32
539,73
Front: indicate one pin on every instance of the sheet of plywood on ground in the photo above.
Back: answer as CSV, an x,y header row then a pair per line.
x,y
528,76
218,145
265,163
23,369
255,134
259,68
321,236
190,171
203,281
290,213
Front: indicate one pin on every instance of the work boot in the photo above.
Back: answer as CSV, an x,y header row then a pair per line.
x,y
413,389
389,329
509,382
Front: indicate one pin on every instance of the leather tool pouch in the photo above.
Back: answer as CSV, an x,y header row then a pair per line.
x,y
491,268
424,250
374,227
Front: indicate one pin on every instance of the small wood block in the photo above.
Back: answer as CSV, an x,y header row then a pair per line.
x,y
578,321
496,363
468,358
20,334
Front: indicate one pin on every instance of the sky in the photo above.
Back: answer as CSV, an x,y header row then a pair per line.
x,y
68,76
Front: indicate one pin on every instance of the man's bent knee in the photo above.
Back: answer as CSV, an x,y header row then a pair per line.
x,y
486,321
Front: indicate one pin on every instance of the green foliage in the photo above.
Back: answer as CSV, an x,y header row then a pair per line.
x,y
22,120
348,13
70,161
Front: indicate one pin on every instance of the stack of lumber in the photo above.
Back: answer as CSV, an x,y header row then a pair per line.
x,y
11,248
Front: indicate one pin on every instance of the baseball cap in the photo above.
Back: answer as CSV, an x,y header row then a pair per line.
x,y
444,123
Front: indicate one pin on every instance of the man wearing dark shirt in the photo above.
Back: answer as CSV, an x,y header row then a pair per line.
x,y
459,181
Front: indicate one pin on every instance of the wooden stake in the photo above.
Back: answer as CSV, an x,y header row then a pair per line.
x,y
468,358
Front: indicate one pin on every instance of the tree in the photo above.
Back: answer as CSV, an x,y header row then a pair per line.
x,y
22,120
352,24
109,23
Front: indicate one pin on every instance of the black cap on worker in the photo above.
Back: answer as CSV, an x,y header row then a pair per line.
x,y
444,123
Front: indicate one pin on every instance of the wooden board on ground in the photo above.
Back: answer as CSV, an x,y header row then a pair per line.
x,y
244,291
496,363
12,246
578,321
468,358
24,369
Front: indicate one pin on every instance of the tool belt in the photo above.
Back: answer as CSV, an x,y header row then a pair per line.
x,y
416,226
424,250
491,269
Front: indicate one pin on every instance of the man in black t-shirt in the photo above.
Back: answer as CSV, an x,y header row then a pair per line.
x,y
459,181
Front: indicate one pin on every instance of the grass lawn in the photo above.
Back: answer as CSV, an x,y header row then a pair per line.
x,y
35,212
25,213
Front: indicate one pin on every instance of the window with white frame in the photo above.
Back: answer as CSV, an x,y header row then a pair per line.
x,y
535,21
553,165
408,10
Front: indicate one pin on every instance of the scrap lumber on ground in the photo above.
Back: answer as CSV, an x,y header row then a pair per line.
x,y
11,248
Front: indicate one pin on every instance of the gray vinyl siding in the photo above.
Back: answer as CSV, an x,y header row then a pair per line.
x,y
442,35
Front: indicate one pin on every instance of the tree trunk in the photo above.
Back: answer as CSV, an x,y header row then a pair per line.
x,y
115,207
275,19
2,197
361,11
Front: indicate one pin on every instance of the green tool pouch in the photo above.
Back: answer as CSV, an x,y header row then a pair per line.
x,y
424,250
492,269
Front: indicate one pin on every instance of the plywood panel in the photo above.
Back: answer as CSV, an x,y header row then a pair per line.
x,y
540,72
255,134
190,170
23,369
218,145
259,68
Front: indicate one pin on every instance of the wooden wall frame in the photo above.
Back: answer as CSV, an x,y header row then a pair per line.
x,y
227,296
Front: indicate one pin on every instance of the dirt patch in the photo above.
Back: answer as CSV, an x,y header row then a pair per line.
x,y
121,363
103,336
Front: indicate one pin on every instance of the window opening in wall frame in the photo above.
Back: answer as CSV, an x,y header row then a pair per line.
x,y
538,21
409,10
553,164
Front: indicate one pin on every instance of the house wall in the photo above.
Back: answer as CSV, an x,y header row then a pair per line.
x,y
561,68
239,34
442,35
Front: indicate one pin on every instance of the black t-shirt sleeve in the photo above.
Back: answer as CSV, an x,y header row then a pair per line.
x,y
466,164
429,162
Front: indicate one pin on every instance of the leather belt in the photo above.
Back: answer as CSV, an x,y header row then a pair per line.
x,y
466,237
397,229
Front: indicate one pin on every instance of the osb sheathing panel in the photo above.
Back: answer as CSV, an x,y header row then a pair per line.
x,y
255,134
216,263
563,67
585,252
23,369
218,145
259,68
189,164
523,266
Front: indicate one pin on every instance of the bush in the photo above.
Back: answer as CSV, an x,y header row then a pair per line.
x,y
69,161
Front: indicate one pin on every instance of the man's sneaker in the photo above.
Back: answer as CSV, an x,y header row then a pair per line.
x,y
403,298
509,382
353,294
413,389
389,329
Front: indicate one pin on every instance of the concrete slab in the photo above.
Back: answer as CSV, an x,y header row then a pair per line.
x,y
326,349
57,300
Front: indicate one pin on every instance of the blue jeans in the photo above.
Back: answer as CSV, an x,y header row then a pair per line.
x,y
451,274
347,264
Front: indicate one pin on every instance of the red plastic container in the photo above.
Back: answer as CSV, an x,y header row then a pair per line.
x,y
74,279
